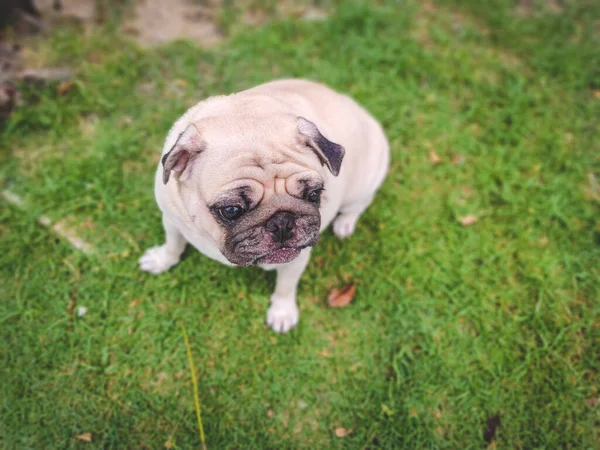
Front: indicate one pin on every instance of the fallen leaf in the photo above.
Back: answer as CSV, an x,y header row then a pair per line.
x,y
593,402
169,444
597,94
493,422
468,220
324,353
270,413
64,87
342,432
84,437
339,298
434,158
458,159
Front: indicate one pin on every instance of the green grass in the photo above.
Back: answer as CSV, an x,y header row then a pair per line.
x,y
451,325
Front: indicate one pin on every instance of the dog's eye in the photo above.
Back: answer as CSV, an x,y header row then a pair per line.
x,y
231,212
314,196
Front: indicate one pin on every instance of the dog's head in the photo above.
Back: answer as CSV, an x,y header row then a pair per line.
x,y
254,184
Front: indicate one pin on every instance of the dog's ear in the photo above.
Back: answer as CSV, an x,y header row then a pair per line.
x,y
330,153
189,144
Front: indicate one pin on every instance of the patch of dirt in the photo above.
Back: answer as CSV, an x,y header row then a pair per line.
x,y
56,12
530,7
157,22
285,9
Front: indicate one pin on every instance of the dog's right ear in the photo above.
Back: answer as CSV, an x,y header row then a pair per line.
x,y
330,153
189,145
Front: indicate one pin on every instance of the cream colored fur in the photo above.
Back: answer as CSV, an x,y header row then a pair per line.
x,y
251,138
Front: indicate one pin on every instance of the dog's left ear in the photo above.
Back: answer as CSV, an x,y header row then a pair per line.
x,y
328,152
189,144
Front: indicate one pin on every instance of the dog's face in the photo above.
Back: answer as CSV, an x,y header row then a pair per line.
x,y
255,185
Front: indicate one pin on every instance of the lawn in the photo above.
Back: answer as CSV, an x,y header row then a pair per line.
x,y
459,336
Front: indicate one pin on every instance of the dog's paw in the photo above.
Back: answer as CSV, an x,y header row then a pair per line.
x,y
344,224
157,260
282,318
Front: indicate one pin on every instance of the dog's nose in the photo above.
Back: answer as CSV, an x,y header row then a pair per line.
x,y
281,225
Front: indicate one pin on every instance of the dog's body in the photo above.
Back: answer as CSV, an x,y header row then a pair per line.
x,y
250,170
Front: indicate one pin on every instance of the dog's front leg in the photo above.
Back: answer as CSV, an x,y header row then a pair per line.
x,y
161,258
283,314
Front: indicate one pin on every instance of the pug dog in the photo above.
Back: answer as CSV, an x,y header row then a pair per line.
x,y
252,178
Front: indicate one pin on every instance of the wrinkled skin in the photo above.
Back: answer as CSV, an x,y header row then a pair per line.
x,y
249,241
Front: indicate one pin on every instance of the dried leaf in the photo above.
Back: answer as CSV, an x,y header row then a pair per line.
x,y
493,422
593,402
468,220
342,432
458,159
324,353
434,158
339,298
597,94
64,87
84,437
270,413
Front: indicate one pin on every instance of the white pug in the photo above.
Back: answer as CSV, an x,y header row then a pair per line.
x,y
254,177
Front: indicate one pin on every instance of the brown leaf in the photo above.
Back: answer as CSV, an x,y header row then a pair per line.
x,y
342,432
434,158
84,437
593,401
64,87
467,220
493,422
339,298
458,159
270,413
324,353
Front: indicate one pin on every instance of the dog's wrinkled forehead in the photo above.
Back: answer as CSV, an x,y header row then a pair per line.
x,y
241,155
213,152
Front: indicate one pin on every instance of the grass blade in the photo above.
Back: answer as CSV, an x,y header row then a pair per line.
x,y
195,383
